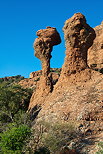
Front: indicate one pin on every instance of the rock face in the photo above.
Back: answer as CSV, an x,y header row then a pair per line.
x,y
34,78
35,74
78,94
95,53
54,72
79,37
43,45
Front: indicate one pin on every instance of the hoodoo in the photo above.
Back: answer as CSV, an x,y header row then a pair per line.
x,y
43,46
79,37
78,94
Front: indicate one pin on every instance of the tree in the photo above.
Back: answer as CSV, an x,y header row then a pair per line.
x,y
12,99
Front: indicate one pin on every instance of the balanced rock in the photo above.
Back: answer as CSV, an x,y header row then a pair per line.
x,y
77,97
43,46
78,94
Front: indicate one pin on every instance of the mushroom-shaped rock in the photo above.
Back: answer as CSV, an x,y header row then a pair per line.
x,y
43,45
79,37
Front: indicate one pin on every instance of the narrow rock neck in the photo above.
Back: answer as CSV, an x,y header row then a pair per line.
x,y
46,67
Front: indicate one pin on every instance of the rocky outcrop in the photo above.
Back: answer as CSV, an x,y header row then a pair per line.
x,y
79,37
95,53
35,74
78,94
34,77
54,72
43,45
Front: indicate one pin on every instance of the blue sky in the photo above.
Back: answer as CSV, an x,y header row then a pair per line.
x,y
19,21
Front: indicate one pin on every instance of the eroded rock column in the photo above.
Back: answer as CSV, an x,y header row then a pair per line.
x,y
43,46
79,37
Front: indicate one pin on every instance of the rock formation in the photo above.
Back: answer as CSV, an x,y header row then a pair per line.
x,y
95,53
35,74
43,45
79,37
78,94
34,77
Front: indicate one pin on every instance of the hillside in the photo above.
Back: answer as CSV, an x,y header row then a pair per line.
x,y
78,94
65,111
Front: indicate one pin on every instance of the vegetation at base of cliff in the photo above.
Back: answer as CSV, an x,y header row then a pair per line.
x,y
50,138
16,135
13,100
13,139
14,121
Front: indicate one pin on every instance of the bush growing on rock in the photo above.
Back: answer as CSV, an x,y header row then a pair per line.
x,y
51,137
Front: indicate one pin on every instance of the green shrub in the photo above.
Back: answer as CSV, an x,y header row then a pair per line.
x,y
13,140
52,136
14,121
100,144
13,98
58,135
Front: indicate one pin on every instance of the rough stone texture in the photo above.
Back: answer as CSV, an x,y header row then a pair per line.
x,y
78,98
78,94
35,74
79,37
31,82
95,53
39,73
43,45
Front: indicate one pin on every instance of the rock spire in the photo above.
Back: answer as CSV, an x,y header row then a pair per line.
x,y
43,46
79,37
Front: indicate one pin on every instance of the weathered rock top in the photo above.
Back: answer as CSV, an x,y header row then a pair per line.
x,y
78,94
47,38
77,32
43,45
50,33
79,37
